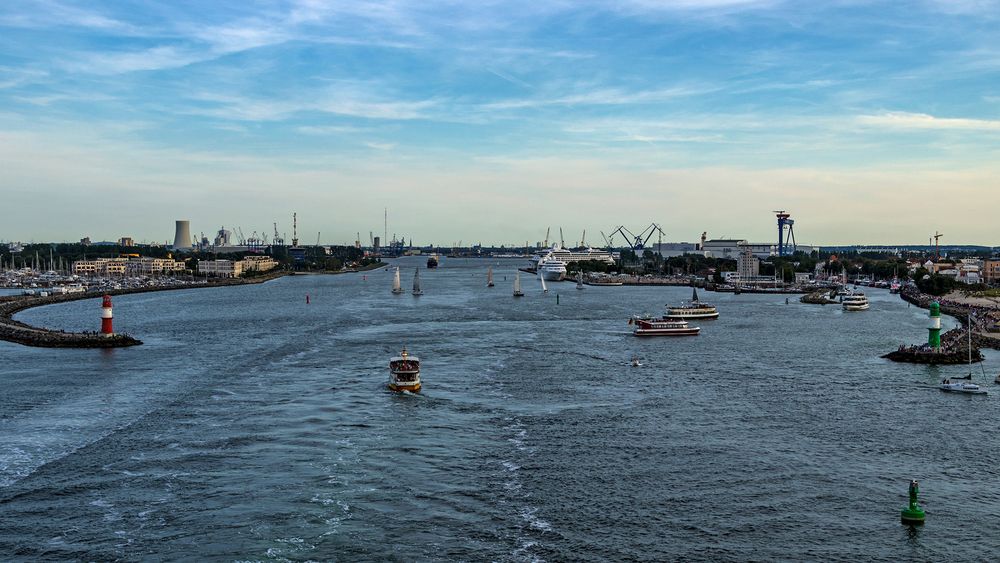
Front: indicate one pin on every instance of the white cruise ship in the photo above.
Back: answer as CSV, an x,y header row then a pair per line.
x,y
551,269
545,261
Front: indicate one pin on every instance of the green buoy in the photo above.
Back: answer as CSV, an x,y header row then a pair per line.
x,y
913,515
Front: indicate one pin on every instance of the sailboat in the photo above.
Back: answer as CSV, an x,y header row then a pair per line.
x,y
964,384
397,287
579,279
489,277
416,282
544,289
517,285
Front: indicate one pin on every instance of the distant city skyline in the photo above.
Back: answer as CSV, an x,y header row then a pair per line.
x,y
490,122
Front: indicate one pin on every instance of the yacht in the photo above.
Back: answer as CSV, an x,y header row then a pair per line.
x,y
963,386
404,372
647,326
694,309
855,301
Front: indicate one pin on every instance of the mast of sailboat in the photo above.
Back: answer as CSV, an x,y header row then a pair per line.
x,y
969,330
416,280
517,283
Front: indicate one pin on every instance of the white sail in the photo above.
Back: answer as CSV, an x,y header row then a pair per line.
x,y
579,279
416,282
489,277
517,284
542,277
397,286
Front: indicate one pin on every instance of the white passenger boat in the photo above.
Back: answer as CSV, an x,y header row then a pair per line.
x,y
855,301
693,310
551,269
647,326
404,372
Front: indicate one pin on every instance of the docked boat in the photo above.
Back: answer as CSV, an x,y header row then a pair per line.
x,y
648,326
397,286
567,256
432,261
894,286
416,283
693,310
517,285
551,269
489,277
404,372
855,301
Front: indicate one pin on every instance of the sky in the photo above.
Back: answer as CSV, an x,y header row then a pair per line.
x,y
874,122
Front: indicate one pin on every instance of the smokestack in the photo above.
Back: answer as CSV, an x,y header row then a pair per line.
x,y
182,236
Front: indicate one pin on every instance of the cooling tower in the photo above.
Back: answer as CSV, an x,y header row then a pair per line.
x,y
182,237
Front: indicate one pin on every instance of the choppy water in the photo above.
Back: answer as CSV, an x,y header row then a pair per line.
x,y
251,426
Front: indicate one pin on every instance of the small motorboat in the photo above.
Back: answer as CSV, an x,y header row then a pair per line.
x,y
635,362
964,386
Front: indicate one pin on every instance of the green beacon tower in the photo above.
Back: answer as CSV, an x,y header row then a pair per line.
x,y
934,331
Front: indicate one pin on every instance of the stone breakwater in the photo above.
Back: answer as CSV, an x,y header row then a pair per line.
x,y
22,333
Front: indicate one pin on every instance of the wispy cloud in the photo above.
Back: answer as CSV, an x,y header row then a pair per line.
x,y
905,120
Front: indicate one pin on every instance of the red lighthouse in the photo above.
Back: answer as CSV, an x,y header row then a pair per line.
x,y
106,316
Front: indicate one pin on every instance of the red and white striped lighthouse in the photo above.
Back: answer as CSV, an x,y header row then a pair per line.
x,y
106,316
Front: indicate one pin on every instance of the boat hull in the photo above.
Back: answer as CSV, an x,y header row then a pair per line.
x,y
411,387
692,331
694,317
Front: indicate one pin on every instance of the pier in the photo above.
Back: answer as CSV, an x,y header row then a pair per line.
x,y
22,333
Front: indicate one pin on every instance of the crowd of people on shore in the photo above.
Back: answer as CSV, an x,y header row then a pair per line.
x,y
979,318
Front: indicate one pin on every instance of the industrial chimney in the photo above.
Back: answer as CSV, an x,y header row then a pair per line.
x,y
182,236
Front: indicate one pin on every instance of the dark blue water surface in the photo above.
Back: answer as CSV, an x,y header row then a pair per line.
x,y
252,426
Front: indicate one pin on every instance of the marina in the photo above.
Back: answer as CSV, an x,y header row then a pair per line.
x,y
556,398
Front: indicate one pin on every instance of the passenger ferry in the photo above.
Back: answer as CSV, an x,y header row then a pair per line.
x,y
695,310
648,326
404,372
855,301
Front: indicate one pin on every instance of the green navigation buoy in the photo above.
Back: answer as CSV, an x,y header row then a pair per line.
x,y
913,515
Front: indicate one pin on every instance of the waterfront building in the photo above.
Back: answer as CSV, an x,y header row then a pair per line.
x,y
732,248
133,266
221,268
671,249
991,271
126,241
236,268
747,265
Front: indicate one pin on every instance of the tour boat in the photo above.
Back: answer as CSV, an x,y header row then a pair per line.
x,y
489,277
694,310
855,301
517,285
416,283
647,326
397,286
404,372
432,261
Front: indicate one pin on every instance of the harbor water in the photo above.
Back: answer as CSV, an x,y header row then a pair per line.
x,y
253,426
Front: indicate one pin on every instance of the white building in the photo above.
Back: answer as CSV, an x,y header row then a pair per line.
x,y
671,249
235,269
732,248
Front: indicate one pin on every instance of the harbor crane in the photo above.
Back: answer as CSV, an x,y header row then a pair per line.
x,y
637,241
786,246
583,239
937,246
546,243
562,242
608,240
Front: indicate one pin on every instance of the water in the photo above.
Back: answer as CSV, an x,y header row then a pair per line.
x,y
251,426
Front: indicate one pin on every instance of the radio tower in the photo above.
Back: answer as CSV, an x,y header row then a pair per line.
x,y
295,229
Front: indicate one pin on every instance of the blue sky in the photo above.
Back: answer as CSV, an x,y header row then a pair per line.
x,y
490,121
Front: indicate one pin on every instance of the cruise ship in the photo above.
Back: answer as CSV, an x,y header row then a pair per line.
x,y
547,261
